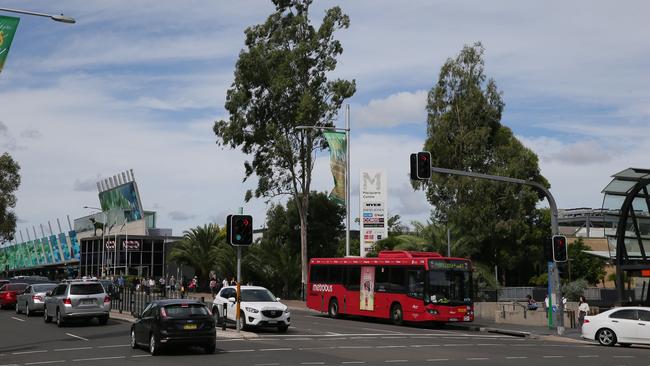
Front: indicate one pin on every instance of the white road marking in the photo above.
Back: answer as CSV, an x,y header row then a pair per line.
x,y
390,346
353,347
587,356
98,358
393,337
314,348
20,320
552,356
515,357
141,356
28,352
624,356
454,344
70,349
43,362
363,337
276,349
240,350
396,361
298,339
424,345
10,364
115,346
334,334
76,336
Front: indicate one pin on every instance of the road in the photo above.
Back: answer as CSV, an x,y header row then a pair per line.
x,y
313,340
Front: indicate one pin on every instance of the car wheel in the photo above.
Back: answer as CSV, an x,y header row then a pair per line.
x,y
396,314
59,319
46,318
17,309
216,316
154,346
27,312
283,328
134,344
242,321
103,320
333,309
211,347
606,337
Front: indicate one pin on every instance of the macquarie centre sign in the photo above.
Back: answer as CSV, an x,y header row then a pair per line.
x,y
373,208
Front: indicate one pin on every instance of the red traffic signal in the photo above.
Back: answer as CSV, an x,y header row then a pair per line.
x,y
239,229
560,250
421,165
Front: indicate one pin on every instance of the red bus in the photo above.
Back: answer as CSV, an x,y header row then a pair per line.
x,y
397,285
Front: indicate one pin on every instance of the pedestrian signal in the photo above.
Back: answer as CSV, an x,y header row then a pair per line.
x,y
560,252
239,229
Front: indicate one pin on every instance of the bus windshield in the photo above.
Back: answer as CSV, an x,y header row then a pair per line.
x,y
451,286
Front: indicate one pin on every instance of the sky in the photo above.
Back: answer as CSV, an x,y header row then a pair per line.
x,y
138,85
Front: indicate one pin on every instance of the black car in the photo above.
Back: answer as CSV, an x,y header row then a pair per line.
x,y
174,322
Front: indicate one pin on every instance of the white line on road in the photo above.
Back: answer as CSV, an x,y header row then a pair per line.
x,y
76,336
276,349
115,346
390,346
28,352
390,361
20,320
353,347
516,357
624,356
314,348
140,356
98,358
424,345
240,350
552,356
44,362
70,349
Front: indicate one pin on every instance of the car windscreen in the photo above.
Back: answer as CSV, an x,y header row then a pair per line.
x,y
86,289
184,310
43,288
14,287
257,295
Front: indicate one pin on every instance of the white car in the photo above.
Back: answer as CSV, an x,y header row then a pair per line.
x,y
258,308
624,325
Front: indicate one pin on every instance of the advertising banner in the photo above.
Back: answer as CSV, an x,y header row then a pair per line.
x,y
373,199
74,243
123,199
8,27
65,247
338,146
56,250
367,289
49,253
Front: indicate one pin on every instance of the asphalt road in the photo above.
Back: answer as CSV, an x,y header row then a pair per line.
x,y
313,340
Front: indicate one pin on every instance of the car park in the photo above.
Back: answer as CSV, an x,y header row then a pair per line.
x,y
258,308
9,293
164,323
82,300
33,298
623,326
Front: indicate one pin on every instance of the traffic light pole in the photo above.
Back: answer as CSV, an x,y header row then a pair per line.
x,y
553,276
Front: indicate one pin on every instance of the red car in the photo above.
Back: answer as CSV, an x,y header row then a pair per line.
x,y
9,292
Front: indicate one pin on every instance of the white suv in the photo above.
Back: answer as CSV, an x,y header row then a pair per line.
x,y
258,308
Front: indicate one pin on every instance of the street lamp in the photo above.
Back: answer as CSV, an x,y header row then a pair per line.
x,y
58,18
347,170
103,234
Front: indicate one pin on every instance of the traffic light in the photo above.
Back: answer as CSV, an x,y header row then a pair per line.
x,y
421,165
239,229
559,248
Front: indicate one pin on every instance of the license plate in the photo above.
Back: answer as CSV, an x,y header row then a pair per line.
x,y
189,326
462,310
453,319
271,322
87,301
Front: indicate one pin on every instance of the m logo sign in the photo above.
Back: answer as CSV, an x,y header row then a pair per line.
x,y
371,182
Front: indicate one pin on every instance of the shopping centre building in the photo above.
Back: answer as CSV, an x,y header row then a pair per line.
x,y
121,238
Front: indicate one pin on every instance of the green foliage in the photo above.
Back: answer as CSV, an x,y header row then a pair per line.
x,y
395,226
200,248
9,182
497,220
541,280
585,266
573,290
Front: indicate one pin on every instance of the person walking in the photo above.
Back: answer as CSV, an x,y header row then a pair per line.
x,y
172,283
161,283
583,310
225,282
213,286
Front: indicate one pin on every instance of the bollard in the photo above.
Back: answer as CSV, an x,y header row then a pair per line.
x,y
223,321
203,299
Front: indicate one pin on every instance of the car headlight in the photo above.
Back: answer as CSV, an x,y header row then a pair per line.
x,y
252,310
286,311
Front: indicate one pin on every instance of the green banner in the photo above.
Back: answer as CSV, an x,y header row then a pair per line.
x,y
338,147
8,27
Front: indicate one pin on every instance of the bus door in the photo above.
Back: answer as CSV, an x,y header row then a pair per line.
x,y
381,292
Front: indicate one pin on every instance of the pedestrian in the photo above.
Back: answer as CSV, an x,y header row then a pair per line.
x,y
583,309
152,284
233,282
213,286
225,282
172,283
532,304
182,285
145,283
193,284
161,283
120,282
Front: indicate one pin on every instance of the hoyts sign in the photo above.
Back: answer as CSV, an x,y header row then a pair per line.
x,y
128,245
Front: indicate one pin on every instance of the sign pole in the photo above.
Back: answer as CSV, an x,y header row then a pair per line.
x,y
237,315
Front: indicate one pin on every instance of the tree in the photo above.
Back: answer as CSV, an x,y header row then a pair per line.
x,y
281,82
583,265
465,133
199,249
9,183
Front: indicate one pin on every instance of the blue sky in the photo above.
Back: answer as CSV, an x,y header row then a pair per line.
x,y
138,84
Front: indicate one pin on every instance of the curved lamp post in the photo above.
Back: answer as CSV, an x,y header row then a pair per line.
x,y
59,18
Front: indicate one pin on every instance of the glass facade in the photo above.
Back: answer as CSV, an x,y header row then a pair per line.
x,y
140,256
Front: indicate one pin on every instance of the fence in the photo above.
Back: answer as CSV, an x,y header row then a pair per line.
x,y
127,300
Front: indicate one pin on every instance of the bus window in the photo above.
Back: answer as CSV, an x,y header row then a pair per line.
x,y
354,278
381,279
318,274
335,274
398,280
415,283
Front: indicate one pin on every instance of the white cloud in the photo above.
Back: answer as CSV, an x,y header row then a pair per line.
x,y
396,109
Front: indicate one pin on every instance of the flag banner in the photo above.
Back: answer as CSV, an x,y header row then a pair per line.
x,y
338,146
8,27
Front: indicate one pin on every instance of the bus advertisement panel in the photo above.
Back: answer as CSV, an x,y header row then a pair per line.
x,y
397,285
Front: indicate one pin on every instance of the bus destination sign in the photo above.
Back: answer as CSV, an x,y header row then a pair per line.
x,y
448,265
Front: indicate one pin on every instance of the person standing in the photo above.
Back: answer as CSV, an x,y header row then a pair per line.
x,y
583,310
213,286
161,283
225,282
172,283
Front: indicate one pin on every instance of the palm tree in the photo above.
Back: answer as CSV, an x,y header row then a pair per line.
x,y
198,249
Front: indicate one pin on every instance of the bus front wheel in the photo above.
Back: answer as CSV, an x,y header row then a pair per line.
x,y
333,309
396,314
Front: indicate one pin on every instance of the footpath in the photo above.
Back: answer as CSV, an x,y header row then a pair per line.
x,y
479,325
